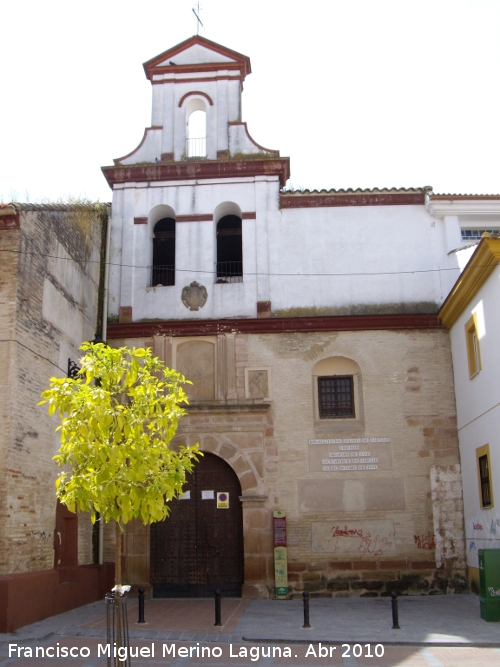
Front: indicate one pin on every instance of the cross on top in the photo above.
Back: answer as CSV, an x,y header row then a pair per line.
x,y
196,11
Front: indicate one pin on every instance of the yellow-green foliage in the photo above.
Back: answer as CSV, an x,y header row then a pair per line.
x,y
118,418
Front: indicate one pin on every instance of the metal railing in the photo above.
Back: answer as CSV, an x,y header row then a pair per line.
x,y
162,276
229,272
196,147
117,634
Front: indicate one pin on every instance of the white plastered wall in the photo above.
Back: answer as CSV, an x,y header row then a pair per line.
x,y
305,260
222,102
366,255
195,248
478,413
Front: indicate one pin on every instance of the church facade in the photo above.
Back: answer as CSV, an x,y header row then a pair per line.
x,y
307,321
312,327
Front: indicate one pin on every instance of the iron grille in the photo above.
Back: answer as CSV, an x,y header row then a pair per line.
x,y
73,369
163,276
229,272
484,474
196,147
336,396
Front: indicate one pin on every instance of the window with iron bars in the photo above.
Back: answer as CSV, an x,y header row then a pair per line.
x,y
476,234
229,266
163,269
484,478
336,397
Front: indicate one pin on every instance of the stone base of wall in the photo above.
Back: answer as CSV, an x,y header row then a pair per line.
x,y
255,591
28,597
375,578
473,577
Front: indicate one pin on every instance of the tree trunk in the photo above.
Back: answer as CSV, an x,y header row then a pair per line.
x,y
118,582
118,555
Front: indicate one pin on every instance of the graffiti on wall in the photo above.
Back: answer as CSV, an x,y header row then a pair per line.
x,y
426,542
41,547
374,538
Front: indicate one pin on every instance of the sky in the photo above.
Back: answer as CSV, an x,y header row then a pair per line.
x,y
358,93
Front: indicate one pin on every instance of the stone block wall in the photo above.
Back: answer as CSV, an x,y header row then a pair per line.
x,y
9,246
354,532
368,532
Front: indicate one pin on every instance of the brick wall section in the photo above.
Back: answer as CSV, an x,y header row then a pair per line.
x,y
9,259
56,289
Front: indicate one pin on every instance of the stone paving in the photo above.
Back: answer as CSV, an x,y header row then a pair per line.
x,y
440,631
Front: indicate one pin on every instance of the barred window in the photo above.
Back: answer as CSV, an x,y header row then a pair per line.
x,y
164,253
476,234
484,480
336,397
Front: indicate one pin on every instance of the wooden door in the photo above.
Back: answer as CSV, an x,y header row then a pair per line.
x,y
65,537
199,547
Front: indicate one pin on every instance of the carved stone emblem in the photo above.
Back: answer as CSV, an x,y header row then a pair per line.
x,y
195,296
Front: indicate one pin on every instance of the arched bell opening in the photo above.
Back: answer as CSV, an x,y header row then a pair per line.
x,y
164,253
229,263
196,128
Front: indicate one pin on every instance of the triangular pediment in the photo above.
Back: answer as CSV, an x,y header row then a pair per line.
x,y
197,54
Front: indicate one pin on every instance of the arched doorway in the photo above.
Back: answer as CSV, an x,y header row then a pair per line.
x,y
199,547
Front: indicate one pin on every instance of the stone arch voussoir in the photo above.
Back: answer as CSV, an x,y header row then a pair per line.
x,y
243,467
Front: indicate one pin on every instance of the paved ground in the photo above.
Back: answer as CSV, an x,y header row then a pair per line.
x,y
440,631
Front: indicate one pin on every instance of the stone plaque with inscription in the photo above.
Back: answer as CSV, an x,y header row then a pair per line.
x,y
350,455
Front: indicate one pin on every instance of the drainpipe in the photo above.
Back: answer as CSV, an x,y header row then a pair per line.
x,y
104,334
106,280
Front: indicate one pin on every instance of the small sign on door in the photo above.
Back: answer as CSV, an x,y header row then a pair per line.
x,y
207,495
222,500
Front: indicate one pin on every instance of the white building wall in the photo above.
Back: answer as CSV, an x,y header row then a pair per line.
x,y
337,257
304,260
478,412
195,248
169,118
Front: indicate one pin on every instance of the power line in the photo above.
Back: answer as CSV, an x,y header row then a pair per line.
x,y
248,273
18,342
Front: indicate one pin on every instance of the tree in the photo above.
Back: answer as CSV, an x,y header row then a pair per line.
x,y
118,417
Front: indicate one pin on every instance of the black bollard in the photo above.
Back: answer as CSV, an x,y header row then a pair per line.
x,y
141,605
218,621
395,614
305,597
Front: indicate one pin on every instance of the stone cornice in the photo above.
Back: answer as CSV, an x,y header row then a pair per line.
x,y
198,169
253,499
352,198
224,407
272,325
440,206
